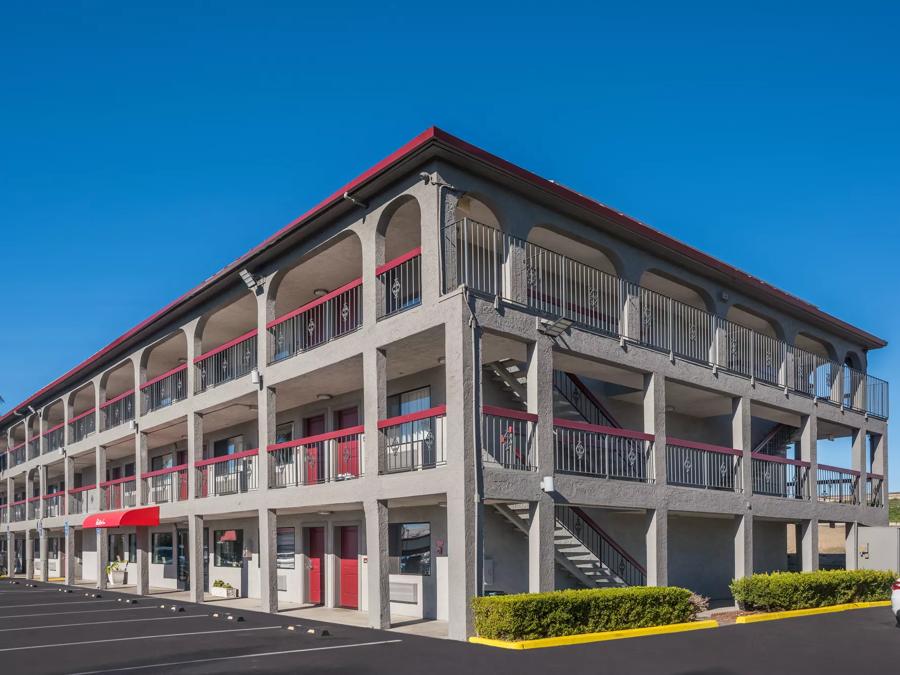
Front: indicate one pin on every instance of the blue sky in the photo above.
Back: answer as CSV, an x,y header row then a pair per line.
x,y
143,149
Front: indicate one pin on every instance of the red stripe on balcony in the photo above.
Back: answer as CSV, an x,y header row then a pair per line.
x,y
52,429
84,414
156,379
396,262
83,488
779,460
54,494
315,303
497,411
320,438
116,399
226,458
117,481
436,411
828,467
600,429
163,472
222,348
703,446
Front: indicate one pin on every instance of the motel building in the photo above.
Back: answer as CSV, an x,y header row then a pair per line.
x,y
452,377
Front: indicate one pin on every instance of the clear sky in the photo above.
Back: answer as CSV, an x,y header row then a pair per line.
x,y
143,149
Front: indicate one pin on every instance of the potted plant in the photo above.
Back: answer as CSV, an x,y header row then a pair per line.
x,y
223,589
115,573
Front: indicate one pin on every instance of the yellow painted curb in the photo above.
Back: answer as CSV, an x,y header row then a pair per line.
x,y
775,616
594,637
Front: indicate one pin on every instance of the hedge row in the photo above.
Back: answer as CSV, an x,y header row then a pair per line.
x,y
781,591
528,616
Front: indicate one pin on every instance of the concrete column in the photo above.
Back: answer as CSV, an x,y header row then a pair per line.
x,y
29,555
541,551
100,462
141,466
880,463
377,563
808,435
655,422
539,394
45,568
657,537
69,542
268,573
851,545
374,407
102,558
194,450
329,565
266,409
10,553
69,482
858,462
195,556
142,536
742,439
41,512
808,545
743,546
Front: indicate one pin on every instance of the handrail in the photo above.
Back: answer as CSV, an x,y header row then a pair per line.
x,y
82,415
315,303
780,460
599,530
17,447
226,458
52,429
497,411
828,467
116,399
318,438
584,389
694,445
58,493
166,374
600,429
222,348
117,481
436,411
83,488
162,472
396,262
875,475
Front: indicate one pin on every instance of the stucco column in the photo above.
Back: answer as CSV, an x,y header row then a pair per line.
x,y
743,545
10,553
858,462
100,463
142,537
29,555
808,544
102,558
655,422
268,574
266,414
657,539
45,567
741,439
880,463
68,483
141,466
41,511
851,545
194,450
374,407
69,543
541,552
329,566
808,435
377,563
195,556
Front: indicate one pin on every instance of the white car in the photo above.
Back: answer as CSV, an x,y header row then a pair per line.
x,y
895,599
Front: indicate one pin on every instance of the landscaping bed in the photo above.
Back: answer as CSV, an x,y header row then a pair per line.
x,y
786,591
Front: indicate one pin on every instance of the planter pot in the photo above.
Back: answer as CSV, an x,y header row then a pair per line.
x,y
223,592
116,577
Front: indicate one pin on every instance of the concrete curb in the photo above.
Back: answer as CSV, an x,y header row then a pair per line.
x,y
594,637
775,616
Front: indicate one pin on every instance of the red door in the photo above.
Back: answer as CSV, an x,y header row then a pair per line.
x,y
347,448
313,462
349,568
316,553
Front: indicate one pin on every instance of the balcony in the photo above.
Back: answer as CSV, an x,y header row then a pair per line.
x,y
17,454
700,465
780,477
333,456
875,490
83,500
605,452
225,363
54,504
18,511
493,263
415,441
837,485
34,447
228,475
166,389
32,508
507,438
167,485
83,425
118,410
120,493
55,437
400,282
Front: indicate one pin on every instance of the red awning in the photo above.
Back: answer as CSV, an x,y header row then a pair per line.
x,y
229,535
146,516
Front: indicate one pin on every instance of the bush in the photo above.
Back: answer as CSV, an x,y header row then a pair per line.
x,y
782,591
529,616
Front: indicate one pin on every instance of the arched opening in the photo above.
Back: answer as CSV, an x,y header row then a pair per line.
x,y
54,426
226,341
117,396
675,317
759,340
317,300
400,276
473,250
813,368
17,451
83,418
164,373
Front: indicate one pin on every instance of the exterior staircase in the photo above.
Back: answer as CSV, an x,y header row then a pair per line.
x,y
777,440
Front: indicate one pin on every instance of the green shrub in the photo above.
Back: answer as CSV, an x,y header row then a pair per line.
x,y
529,616
782,591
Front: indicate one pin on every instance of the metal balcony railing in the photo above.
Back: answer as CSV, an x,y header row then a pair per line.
x,y
598,542
414,441
54,504
401,283
324,319
55,437
83,425
837,485
34,447
120,493
118,410
227,362
227,475
700,465
606,452
507,438
494,263
18,511
33,507
333,456
17,454
167,485
83,500
780,477
166,389
875,490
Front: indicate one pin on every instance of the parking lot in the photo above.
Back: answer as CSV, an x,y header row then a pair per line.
x,y
44,630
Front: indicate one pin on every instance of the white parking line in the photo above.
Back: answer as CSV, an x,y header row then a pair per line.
x,y
234,658
139,637
57,604
77,611
99,623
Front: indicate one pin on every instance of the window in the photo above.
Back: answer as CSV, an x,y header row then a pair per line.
x,y
229,548
166,461
228,446
117,550
284,432
162,548
409,402
409,548
410,444
285,547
